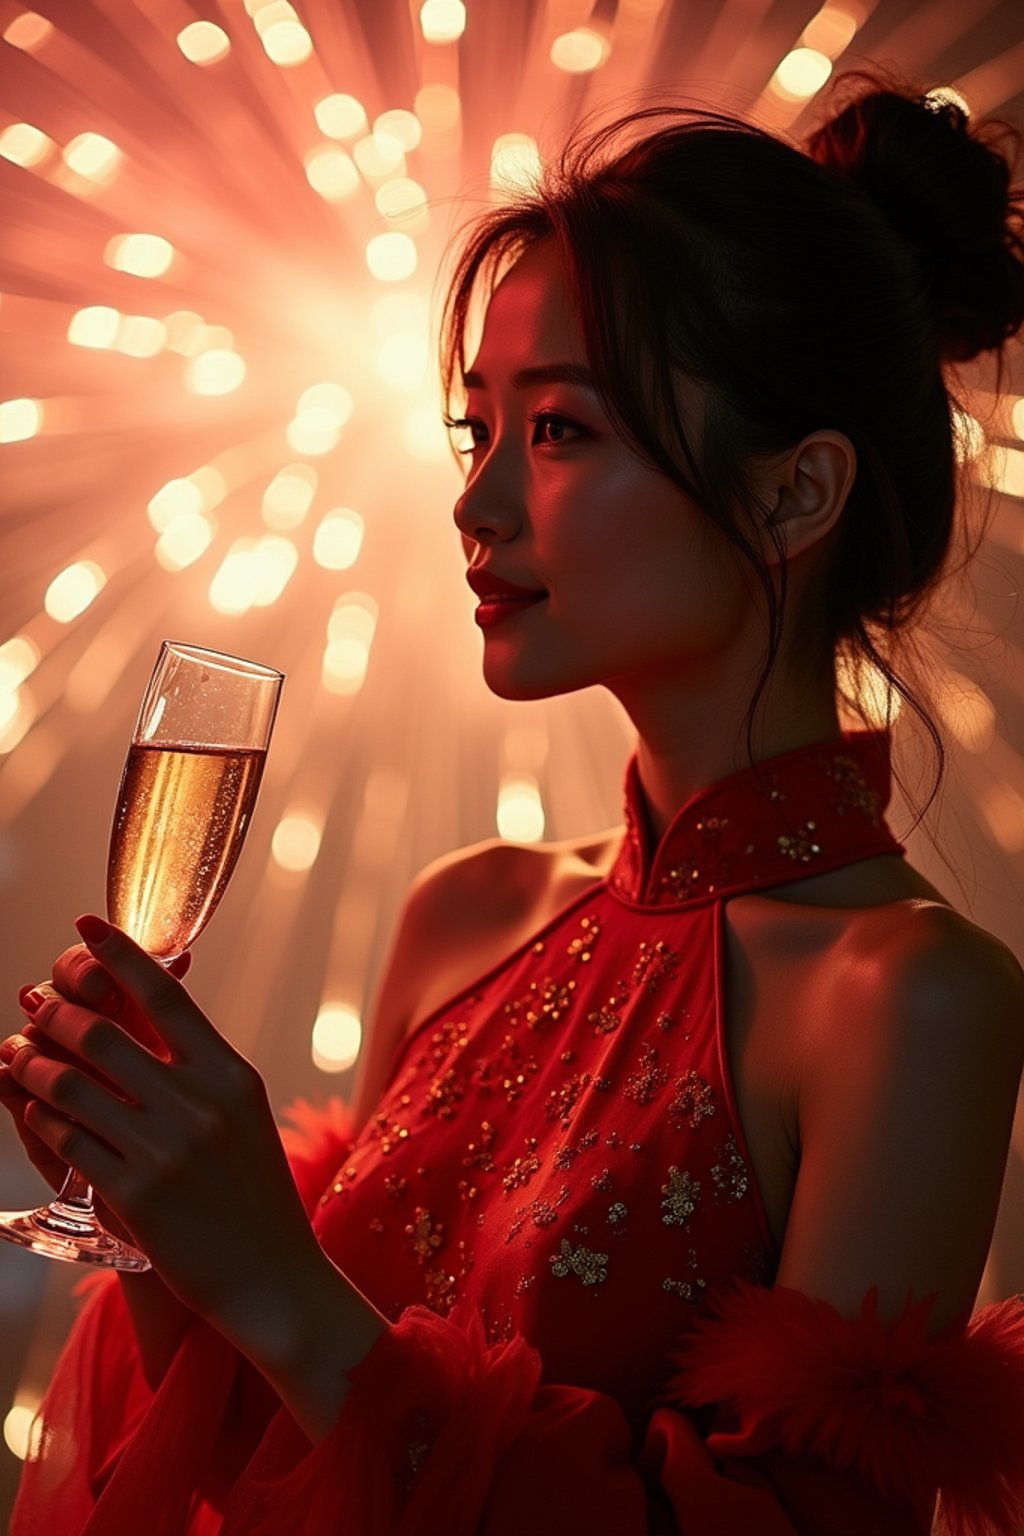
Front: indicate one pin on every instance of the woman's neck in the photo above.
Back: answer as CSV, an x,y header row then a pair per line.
x,y
672,775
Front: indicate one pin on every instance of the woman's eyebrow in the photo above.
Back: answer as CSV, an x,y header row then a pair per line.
x,y
544,373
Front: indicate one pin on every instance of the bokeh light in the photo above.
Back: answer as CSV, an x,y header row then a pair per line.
x,y
350,635
185,538
392,257
296,841
284,38
1002,468
443,21
18,1429
19,658
140,336
404,203
203,42
96,325
73,589
520,813
331,172
94,156
28,31
216,372
289,496
142,255
379,156
400,125
337,1037
801,74
515,163
24,144
580,51
340,116
19,419
338,539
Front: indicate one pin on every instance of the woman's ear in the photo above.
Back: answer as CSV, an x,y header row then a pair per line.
x,y
811,487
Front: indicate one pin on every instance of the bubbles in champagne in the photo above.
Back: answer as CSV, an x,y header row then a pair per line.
x,y
181,818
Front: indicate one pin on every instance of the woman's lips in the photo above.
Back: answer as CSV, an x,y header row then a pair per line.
x,y
494,609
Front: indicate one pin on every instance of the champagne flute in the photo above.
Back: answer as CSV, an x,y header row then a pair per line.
x,y
187,794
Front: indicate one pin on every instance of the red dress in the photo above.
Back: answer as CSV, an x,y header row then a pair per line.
x,y
554,1205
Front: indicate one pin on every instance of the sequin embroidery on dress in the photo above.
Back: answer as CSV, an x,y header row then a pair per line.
x,y
558,1145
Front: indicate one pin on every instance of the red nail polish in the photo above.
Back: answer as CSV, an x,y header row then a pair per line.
x,y
93,929
31,1000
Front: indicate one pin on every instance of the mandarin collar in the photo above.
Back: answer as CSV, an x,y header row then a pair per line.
x,y
803,812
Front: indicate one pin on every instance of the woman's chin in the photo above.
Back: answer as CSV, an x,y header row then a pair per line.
x,y
522,683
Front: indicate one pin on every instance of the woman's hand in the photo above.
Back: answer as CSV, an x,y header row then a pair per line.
x,y
78,978
176,1136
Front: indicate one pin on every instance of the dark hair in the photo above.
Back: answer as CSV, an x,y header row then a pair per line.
x,y
803,286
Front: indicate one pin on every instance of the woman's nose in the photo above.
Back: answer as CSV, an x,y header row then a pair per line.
x,y
487,508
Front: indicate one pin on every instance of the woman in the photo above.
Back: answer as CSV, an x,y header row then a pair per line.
x,y
668,1193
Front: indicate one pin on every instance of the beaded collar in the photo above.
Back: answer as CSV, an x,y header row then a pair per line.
x,y
803,812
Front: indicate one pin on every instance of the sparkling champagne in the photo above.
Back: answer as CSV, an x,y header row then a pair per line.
x,y
186,798
181,818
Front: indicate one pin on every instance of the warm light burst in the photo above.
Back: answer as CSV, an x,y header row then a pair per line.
x,y
219,319
221,422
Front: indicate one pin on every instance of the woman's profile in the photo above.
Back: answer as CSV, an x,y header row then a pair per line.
x,y
674,1164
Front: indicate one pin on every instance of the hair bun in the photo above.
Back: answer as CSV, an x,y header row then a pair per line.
x,y
946,189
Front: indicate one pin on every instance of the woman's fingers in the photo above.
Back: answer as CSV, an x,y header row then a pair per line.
x,y
66,1088
77,1036
46,1162
153,990
81,979
73,1143
78,978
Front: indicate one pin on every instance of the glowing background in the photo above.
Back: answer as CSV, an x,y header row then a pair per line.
x,y
218,422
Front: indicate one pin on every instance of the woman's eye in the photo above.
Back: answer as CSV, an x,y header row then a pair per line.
x,y
551,429
463,426
557,426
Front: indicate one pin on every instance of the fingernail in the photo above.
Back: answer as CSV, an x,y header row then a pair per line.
x,y
10,1047
30,999
93,929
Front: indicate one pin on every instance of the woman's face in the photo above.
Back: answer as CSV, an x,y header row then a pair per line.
x,y
642,589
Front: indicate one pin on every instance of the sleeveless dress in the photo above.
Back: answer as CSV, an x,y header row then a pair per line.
x,y
554,1205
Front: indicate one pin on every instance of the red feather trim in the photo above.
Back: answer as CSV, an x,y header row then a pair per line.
x,y
910,1414
316,1144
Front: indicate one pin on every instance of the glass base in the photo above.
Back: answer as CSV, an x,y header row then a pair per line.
x,y
59,1231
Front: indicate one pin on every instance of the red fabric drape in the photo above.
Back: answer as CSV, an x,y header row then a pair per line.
x,y
826,1426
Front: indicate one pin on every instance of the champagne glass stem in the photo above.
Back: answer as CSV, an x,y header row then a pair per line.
x,y
75,1198
68,1228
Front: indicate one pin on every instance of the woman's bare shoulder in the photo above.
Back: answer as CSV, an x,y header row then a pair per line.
x,y
917,917
470,907
508,868
924,951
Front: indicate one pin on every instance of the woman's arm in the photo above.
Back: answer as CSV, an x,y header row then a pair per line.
x,y
905,1107
159,1321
